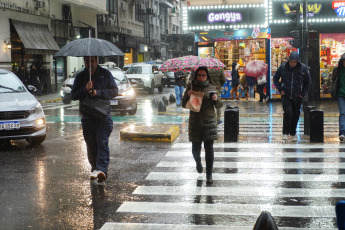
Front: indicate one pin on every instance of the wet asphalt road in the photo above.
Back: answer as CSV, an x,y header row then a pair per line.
x,y
48,186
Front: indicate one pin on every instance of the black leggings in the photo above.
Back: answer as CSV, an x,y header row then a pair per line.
x,y
209,154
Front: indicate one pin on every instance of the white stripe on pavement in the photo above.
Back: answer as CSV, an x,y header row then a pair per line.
x,y
265,154
228,209
258,165
247,191
246,177
265,145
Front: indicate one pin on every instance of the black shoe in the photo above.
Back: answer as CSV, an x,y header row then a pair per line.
x,y
199,168
209,179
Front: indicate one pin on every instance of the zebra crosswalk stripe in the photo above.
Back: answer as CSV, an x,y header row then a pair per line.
x,y
291,194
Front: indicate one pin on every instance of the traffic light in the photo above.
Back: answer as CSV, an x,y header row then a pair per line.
x,y
295,15
296,41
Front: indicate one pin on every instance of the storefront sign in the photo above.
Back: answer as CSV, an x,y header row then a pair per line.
x,y
319,11
237,15
231,35
228,17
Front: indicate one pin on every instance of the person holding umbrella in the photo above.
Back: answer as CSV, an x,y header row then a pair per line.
x,y
292,80
203,124
96,131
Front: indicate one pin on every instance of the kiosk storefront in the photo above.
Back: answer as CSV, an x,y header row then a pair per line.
x,y
230,33
326,39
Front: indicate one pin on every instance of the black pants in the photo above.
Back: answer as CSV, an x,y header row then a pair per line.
x,y
291,109
260,90
209,154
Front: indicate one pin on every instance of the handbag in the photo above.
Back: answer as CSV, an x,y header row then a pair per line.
x,y
262,80
195,101
95,107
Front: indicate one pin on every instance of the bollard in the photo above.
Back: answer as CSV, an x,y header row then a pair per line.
x,y
155,102
165,100
316,126
231,125
306,111
172,98
265,221
161,106
340,213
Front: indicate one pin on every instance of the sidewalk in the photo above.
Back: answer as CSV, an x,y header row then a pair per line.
x,y
49,97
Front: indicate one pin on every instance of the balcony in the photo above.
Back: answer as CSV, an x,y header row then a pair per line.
x,y
107,23
99,6
133,27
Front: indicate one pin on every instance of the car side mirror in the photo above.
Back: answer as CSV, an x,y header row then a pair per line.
x,y
32,89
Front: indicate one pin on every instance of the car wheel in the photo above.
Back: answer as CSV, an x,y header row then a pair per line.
x,y
160,88
35,140
150,90
133,111
66,100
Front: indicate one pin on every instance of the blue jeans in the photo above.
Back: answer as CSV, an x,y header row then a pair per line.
x,y
251,92
96,135
178,93
341,105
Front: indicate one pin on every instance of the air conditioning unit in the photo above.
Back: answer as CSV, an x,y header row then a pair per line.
x,y
39,4
123,5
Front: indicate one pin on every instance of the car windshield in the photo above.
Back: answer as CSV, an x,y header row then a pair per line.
x,y
139,70
119,76
9,83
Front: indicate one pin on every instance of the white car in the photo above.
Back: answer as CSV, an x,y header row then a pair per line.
x,y
67,87
21,115
145,76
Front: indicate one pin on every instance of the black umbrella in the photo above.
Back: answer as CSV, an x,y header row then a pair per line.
x,y
89,47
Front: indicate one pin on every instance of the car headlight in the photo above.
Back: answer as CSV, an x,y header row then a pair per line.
x,y
62,93
36,110
129,92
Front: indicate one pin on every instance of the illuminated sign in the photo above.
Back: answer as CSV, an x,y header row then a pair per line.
x,y
339,7
228,17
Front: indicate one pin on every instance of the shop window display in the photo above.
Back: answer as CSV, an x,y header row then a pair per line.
x,y
332,46
241,51
280,52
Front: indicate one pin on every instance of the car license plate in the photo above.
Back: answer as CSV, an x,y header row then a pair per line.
x,y
7,125
114,102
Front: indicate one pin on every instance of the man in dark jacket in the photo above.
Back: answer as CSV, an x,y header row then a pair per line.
x,y
96,131
180,81
292,80
218,78
338,92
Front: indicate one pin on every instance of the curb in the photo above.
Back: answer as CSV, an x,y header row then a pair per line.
x,y
155,133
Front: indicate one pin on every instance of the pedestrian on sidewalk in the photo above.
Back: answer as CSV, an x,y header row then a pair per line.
x,y
338,92
234,80
292,80
251,84
218,78
180,81
202,125
96,131
261,84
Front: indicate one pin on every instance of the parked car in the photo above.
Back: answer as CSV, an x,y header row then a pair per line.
x,y
125,102
67,87
145,76
169,79
21,115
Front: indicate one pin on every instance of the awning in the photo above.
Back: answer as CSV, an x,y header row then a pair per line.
x,y
37,38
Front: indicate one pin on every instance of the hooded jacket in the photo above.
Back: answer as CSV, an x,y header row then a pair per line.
x,y
335,77
218,77
294,82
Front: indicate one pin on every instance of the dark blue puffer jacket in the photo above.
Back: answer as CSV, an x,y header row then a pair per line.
x,y
294,82
234,74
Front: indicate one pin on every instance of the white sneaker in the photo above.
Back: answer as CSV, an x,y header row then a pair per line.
x,y
285,137
101,176
94,174
267,98
341,138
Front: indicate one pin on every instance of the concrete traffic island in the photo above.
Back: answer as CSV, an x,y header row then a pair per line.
x,y
157,133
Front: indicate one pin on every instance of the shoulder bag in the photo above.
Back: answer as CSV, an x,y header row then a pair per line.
x,y
95,107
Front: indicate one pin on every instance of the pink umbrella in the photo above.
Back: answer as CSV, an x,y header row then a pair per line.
x,y
255,68
188,63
